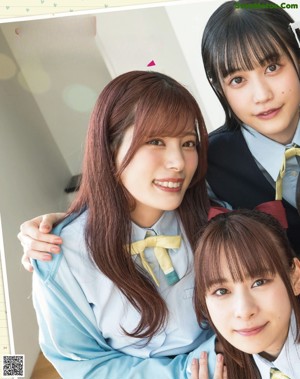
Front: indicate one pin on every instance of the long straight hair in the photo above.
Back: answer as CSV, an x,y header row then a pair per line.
x,y
156,105
241,35
253,243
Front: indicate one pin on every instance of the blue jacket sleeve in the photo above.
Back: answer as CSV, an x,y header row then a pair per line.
x,y
209,347
70,339
77,349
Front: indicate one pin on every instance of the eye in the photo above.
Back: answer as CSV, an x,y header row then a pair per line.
x,y
221,292
189,144
155,142
272,67
260,282
236,81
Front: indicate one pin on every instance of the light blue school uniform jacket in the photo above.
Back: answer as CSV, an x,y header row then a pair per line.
x,y
81,312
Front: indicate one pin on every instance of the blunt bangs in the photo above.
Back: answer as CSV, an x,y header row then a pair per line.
x,y
229,238
244,52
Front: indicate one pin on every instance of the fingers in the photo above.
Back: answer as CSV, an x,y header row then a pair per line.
x,y
26,263
48,220
36,241
200,370
31,246
203,366
220,368
34,235
195,369
39,227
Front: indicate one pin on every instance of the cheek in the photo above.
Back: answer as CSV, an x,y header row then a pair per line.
x,y
236,104
135,173
280,299
191,163
216,316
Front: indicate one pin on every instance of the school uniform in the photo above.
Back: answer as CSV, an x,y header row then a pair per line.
x,y
243,166
81,312
288,361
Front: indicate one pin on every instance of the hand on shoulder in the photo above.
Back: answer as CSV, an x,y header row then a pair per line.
x,y
36,239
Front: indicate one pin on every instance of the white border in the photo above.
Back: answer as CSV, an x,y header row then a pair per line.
x,y
6,294
98,10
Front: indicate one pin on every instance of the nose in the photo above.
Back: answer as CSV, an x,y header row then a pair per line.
x,y
245,306
174,159
261,90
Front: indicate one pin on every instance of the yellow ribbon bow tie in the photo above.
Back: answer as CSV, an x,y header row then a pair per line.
x,y
160,245
289,153
276,374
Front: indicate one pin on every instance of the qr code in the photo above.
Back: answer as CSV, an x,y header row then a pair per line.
x,y
13,365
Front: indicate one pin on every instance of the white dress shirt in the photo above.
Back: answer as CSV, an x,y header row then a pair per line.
x,y
269,154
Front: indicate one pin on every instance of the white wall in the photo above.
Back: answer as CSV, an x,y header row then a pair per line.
x,y
189,35
32,180
171,36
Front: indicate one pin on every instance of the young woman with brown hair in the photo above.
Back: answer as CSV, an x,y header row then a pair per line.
x,y
117,301
247,288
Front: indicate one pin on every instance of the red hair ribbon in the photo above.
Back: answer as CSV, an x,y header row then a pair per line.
x,y
274,208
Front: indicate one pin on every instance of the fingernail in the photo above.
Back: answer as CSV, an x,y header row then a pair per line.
x,y
54,249
194,361
45,227
57,240
47,257
220,357
203,355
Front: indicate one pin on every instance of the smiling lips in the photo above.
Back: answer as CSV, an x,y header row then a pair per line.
x,y
270,113
250,331
172,185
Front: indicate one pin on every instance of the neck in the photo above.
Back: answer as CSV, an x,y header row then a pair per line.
x,y
145,219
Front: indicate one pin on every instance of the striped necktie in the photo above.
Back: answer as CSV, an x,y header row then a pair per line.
x,y
160,245
276,374
289,153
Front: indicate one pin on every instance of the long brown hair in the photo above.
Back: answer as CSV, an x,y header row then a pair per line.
x,y
253,243
156,105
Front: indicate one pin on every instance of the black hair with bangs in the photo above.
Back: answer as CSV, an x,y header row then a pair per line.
x,y
241,35
253,243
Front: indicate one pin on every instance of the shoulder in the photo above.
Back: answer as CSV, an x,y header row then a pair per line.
x,y
224,141
223,133
72,230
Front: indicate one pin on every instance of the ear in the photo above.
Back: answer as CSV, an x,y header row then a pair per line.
x,y
295,277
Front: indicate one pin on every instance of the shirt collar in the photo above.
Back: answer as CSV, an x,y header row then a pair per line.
x,y
267,152
286,360
168,224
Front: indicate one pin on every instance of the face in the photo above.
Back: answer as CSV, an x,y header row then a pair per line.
x,y
254,314
158,174
266,98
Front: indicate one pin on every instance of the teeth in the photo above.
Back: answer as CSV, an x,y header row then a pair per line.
x,y
168,184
